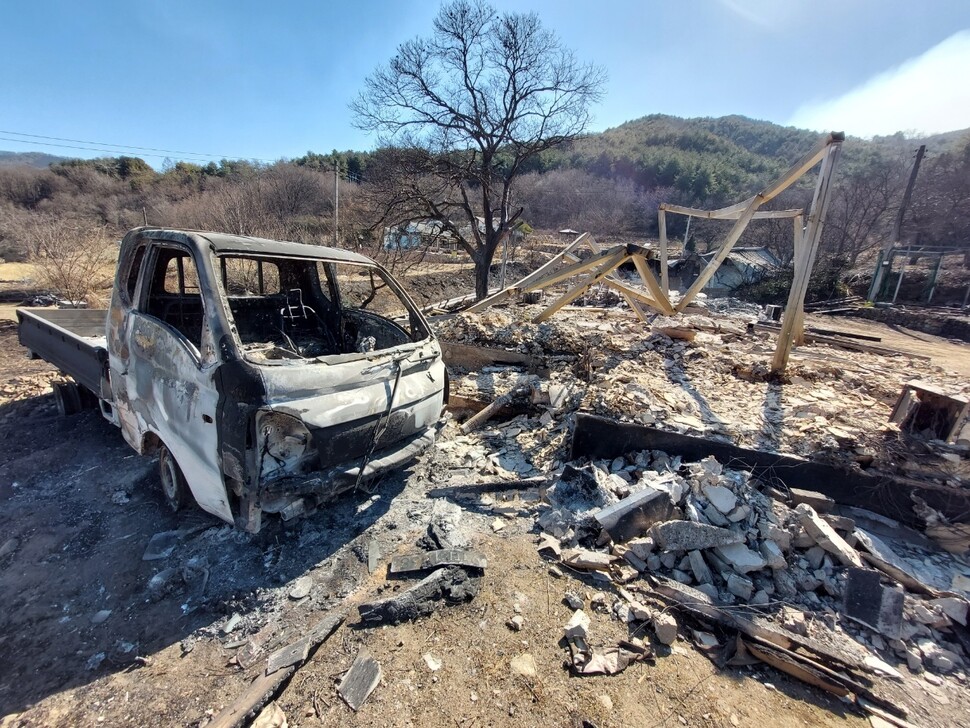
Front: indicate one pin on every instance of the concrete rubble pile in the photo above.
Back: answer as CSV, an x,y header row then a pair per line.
x,y
835,405
710,528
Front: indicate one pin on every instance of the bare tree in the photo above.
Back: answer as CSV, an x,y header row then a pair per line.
x,y
74,257
479,96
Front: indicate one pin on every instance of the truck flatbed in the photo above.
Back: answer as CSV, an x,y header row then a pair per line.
x,y
73,340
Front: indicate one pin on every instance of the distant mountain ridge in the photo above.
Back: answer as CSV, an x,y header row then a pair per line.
x,y
29,159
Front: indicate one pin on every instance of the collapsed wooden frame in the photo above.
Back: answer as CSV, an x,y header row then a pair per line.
x,y
599,268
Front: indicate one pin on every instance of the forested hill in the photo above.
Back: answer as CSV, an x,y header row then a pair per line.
x,y
715,159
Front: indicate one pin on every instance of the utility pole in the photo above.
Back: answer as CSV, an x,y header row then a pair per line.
x,y
336,201
883,261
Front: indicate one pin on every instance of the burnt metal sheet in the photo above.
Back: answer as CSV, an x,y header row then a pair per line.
x,y
434,559
599,437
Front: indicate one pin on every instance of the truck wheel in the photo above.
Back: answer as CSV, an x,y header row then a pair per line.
x,y
67,397
174,487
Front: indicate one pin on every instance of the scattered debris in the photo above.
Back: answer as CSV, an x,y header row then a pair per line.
x,y
451,585
433,559
360,680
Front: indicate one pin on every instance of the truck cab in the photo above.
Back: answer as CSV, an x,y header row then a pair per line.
x,y
268,376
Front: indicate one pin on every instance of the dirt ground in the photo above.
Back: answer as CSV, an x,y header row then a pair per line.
x,y
92,634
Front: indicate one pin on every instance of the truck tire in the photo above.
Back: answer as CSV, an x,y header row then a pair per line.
x,y
67,397
174,487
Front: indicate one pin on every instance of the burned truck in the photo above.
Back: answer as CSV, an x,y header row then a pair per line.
x,y
266,376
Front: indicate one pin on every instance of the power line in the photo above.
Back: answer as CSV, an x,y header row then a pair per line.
x,y
93,149
128,146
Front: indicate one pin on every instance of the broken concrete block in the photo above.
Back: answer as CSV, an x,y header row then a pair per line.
x,y
635,514
784,584
740,558
740,587
739,513
870,603
690,536
720,497
668,559
665,627
631,558
954,607
759,599
794,620
779,535
360,680
709,590
654,563
717,518
839,523
642,547
590,560
815,555
818,502
699,567
773,555
826,537
578,625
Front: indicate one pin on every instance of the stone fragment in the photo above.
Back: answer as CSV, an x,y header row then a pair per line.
x,y
817,501
772,554
708,589
870,603
794,620
689,536
665,627
301,588
642,547
826,537
815,556
740,586
668,559
739,513
720,497
654,563
954,607
516,623
780,536
759,599
717,518
578,625
702,573
524,665
740,558
584,559
434,663
914,660
573,600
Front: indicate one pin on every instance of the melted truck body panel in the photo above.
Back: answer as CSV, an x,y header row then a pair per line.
x,y
277,374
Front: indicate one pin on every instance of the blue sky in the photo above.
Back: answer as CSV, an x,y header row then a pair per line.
x,y
262,80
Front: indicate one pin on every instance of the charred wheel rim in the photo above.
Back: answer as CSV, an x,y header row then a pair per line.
x,y
172,483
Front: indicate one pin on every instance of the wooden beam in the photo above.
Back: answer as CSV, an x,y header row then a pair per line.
x,y
514,288
731,214
581,266
576,291
740,224
798,334
803,165
662,222
650,281
794,310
